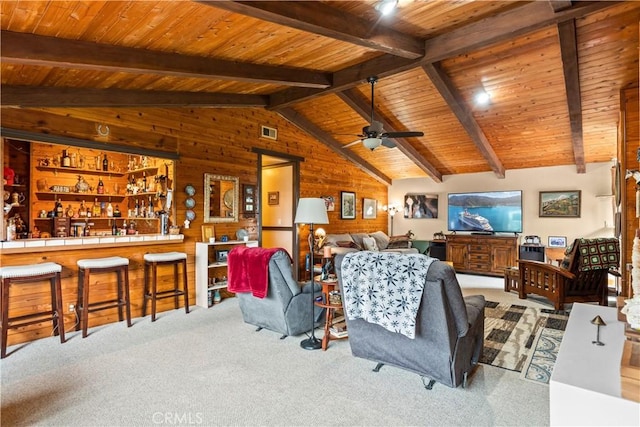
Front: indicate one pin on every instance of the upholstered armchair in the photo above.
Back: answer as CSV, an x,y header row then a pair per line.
x,y
287,307
581,277
449,328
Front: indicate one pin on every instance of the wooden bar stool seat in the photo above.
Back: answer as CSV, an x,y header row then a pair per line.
x,y
120,266
19,274
151,263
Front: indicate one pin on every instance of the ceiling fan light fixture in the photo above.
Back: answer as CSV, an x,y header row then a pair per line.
x,y
372,143
386,7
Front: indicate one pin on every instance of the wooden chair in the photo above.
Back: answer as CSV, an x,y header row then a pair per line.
x,y
581,277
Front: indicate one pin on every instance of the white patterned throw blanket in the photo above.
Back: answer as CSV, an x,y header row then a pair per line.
x,y
384,288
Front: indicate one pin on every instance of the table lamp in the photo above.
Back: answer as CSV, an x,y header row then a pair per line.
x,y
311,211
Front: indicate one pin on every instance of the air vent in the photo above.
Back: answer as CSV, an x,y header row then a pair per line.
x,y
267,132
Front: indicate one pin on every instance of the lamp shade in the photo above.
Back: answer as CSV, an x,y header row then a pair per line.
x,y
372,143
311,211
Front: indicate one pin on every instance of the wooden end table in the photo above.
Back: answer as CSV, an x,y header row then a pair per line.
x,y
327,287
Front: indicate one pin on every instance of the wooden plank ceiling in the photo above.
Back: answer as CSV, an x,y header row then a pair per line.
x,y
553,71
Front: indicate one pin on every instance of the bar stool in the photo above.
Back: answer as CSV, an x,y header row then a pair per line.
x,y
115,264
25,274
151,262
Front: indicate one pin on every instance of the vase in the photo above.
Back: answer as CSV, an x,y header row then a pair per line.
x,y
216,297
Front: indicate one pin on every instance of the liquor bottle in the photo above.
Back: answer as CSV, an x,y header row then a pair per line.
x,y
96,209
136,209
123,231
109,210
87,229
73,160
100,186
59,209
144,182
114,228
116,212
81,211
105,163
143,210
66,161
150,208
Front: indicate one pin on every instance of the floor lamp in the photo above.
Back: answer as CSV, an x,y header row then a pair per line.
x,y
311,211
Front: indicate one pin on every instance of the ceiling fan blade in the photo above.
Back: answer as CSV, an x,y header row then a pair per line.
x,y
401,134
388,143
357,141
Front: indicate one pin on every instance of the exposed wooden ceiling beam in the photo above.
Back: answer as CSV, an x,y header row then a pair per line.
x,y
530,17
30,96
305,124
23,48
569,52
456,102
318,18
362,107
558,5
512,23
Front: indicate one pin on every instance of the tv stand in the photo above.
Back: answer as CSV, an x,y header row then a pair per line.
x,y
482,233
482,254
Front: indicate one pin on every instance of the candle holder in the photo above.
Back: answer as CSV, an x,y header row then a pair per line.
x,y
598,322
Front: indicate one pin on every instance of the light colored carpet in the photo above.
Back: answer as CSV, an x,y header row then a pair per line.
x,y
210,368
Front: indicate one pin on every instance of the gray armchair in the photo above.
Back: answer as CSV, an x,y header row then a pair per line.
x,y
287,308
449,333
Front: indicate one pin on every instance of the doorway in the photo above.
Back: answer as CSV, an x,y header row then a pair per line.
x,y
278,192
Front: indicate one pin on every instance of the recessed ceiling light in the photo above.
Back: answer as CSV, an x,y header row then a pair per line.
x,y
482,98
386,7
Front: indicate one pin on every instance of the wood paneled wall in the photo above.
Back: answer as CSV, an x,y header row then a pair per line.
x,y
215,141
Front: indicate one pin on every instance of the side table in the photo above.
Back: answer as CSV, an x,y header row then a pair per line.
x,y
327,287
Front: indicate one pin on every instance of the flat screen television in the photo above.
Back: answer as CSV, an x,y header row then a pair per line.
x,y
485,212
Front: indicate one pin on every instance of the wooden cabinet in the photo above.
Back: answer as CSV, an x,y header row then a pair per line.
x,y
211,267
479,254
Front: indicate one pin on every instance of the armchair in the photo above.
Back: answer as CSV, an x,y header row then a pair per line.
x,y
449,328
581,277
287,307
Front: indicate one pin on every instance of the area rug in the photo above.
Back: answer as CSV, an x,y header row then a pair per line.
x,y
522,339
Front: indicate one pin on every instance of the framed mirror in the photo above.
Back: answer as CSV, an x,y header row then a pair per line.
x,y
220,198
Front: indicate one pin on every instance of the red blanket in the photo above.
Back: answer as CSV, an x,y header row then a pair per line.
x,y
248,270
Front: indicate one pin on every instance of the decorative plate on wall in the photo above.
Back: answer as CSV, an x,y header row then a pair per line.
x,y
191,215
190,203
190,190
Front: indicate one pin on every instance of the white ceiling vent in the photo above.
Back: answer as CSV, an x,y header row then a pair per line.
x,y
267,132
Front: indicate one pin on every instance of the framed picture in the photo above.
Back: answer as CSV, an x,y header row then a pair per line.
x,y
221,256
560,204
369,208
273,197
248,198
330,203
557,241
421,206
347,205
208,231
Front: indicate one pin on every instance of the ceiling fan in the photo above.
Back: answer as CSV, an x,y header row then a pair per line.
x,y
374,135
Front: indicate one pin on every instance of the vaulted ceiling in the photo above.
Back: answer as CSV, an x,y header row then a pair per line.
x,y
553,71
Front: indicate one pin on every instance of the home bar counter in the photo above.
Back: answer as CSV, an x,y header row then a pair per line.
x,y
26,298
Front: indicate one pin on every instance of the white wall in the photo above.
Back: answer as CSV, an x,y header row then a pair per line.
x,y
596,212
